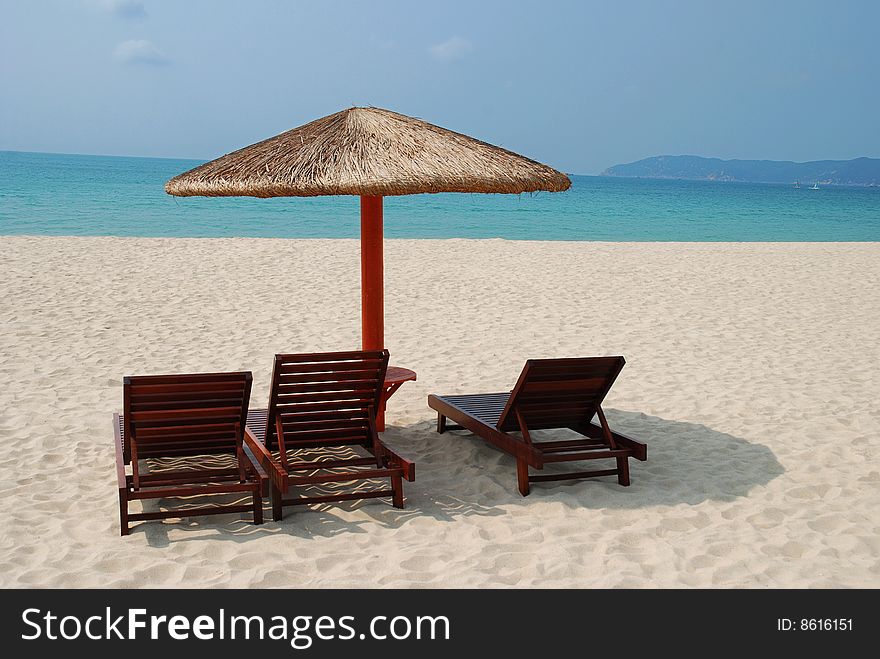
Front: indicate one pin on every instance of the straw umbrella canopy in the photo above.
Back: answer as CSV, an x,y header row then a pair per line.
x,y
372,153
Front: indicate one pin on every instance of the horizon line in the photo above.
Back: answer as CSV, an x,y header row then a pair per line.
x,y
600,173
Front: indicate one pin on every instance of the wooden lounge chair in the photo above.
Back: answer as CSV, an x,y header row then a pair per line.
x,y
182,416
550,393
321,404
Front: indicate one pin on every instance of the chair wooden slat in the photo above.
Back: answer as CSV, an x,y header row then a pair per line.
x,y
172,389
336,368
360,405
335,385
186,414
338,376
366,397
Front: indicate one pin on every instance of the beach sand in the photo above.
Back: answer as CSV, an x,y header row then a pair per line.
x,y
752,375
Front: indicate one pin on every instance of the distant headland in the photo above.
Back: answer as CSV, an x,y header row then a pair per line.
x,y
859,171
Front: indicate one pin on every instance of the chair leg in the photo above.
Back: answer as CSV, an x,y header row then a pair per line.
x,y
441,423
276,504
377,451
258,506
623,470
397,487
522,476
123,511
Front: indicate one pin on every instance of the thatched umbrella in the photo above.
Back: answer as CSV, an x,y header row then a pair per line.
x,y
372,153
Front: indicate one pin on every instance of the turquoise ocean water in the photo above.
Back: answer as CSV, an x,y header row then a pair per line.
x,y
53,194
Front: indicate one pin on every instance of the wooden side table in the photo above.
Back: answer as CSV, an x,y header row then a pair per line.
x,y
394,377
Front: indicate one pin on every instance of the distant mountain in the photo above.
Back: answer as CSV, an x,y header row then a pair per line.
x,y
860,171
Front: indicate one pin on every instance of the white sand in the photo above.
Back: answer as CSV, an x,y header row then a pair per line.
x,y
752,375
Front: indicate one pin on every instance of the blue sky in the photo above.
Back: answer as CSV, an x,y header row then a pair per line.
x,y
580,85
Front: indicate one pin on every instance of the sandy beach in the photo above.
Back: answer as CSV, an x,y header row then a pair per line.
x,y
751,374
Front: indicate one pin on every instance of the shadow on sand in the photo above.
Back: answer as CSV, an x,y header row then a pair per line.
x,y
459,475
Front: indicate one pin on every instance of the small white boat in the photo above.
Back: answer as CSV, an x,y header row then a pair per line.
x,y
815,186
797,185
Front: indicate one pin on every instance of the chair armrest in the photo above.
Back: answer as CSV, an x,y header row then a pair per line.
x,y
265,459
258,470
393,459
120,457
382,450
409,468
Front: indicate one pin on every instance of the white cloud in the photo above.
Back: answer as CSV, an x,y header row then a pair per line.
x,y
140,51
123,8
453,48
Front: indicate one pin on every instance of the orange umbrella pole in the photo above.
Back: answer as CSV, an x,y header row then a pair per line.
x,y
372,287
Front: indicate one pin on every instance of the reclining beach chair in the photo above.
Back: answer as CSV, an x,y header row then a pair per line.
x,y
181,417
550,394
322,406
